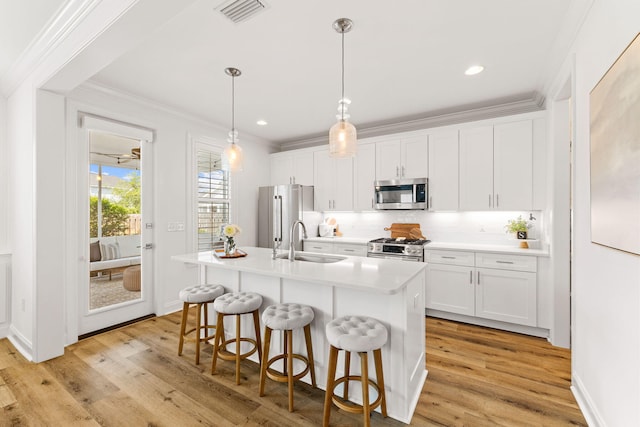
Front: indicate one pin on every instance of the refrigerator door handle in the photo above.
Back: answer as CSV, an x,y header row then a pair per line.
x,y
277,218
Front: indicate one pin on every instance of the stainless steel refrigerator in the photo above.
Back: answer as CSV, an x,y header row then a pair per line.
x,y
278,207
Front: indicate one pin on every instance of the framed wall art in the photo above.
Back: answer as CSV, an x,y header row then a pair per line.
x,y
615,154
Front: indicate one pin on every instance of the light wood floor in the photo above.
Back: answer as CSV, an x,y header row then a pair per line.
x,y
133,377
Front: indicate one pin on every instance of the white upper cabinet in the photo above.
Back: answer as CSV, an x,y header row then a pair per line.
x,y
402,158
443,171
364,175
496,167
333,182
513,165
476,168
295,167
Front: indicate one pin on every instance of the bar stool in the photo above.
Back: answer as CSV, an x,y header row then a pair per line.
x,y
359,334
236,304
200,295
287,318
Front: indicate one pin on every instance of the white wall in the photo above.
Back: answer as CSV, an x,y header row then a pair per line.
x,y
606,282
171,172
21,152
4,164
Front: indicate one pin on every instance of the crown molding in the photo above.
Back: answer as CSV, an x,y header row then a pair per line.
x,y
531,103
128,97
63,22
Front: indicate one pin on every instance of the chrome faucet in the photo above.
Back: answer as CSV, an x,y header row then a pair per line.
x,y
292,250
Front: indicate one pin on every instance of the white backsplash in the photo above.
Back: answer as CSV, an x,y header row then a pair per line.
x,y
454,227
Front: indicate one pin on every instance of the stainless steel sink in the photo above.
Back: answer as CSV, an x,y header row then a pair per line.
x,y
309,257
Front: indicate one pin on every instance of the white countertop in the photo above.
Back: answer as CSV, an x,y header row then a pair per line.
x,y
478,247
369,274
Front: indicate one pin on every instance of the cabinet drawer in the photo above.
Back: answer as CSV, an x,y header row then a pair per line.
x,y
321,247
507,262
350,249
449,257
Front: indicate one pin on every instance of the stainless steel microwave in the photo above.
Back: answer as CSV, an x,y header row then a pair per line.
x,y
401,194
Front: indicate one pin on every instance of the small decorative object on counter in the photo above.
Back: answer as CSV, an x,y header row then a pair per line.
x,y
229,232
519,227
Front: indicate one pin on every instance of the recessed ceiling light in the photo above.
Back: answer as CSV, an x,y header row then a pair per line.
x,y
261,123
474,69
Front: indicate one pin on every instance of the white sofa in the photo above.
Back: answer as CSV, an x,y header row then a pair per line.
x,y
115,252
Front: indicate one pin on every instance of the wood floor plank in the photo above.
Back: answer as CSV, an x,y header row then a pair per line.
x,y
133,376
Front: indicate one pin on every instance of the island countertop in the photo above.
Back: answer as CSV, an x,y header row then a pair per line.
x,y
370,274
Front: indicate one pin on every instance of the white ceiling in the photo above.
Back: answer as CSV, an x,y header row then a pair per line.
x,y
20,23
403,60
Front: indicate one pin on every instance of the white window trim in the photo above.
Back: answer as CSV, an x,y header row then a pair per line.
x,y
195,142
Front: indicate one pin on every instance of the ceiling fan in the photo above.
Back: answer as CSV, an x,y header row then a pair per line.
x,y
121,158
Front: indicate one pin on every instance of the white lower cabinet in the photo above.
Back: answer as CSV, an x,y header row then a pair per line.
x,y
351,249
319,247
489,286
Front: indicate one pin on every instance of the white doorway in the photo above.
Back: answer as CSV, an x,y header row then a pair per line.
x,y
115,283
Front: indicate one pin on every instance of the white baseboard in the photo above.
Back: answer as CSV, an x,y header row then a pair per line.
x,y
20,343
585,403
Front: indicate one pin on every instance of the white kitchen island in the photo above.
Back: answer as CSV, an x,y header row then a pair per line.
x,y
388,290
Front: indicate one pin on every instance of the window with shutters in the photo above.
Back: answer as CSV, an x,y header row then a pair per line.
x,y
213,197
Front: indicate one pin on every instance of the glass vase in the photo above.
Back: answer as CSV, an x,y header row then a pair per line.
x,y
229,247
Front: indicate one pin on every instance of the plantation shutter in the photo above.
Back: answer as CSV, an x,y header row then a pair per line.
x,y
213,198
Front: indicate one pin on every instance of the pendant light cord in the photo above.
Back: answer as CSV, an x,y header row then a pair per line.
x,y
342,100
233,109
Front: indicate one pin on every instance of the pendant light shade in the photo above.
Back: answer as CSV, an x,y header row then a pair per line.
x,y
232,158
343,140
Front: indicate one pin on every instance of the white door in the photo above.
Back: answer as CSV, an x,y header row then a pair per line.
x,y
388,160
450,288
443,171
364,176
507,296
323,180
414,158
343,184
513,165
476,169
115,212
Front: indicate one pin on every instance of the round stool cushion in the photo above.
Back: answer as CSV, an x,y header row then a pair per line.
x,y
131,278
287,316
237,303
201,293
356,333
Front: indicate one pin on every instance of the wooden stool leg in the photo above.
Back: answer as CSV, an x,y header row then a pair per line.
x,y
289,358
205,307
183,326
216,341
377,356
347,367
307,337
331,373
285,350
364,372
265,359
256,325
237,349
198,328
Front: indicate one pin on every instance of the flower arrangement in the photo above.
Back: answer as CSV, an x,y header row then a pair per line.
x,y
229,232
519,226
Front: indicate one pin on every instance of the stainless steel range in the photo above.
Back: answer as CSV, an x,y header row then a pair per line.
x,y
399,248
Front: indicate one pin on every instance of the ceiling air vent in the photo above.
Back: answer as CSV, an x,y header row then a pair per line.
x,y
241,10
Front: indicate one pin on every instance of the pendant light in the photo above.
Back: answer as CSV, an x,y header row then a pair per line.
x,y
232,158
342,136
